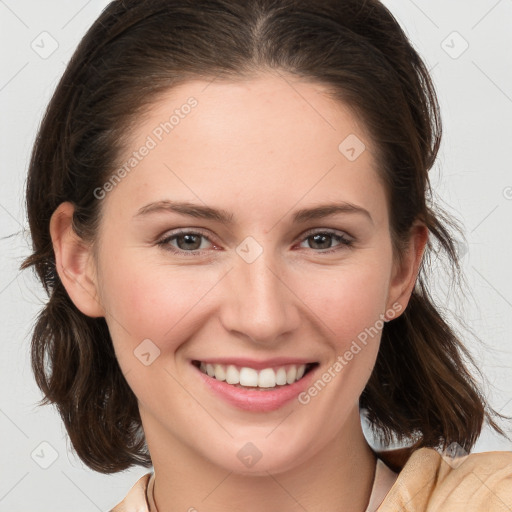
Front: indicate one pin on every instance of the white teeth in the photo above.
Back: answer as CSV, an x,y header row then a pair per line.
x,y
281,377
291,374
248,377
267,378
220,374
232,375
245,376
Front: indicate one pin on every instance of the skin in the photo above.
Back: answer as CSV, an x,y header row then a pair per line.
x,y
261,150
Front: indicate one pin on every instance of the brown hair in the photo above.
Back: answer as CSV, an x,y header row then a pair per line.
x,y
420,389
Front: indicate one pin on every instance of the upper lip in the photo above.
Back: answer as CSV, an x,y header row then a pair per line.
x,y
275,362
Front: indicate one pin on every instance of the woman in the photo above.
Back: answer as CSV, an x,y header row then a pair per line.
x,y
288,144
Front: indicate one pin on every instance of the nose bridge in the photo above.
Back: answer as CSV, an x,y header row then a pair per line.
x,y
259,305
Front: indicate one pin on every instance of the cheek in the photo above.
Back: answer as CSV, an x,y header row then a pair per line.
x,y
148,301
347,301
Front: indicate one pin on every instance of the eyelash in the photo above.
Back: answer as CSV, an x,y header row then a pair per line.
x,y
341,239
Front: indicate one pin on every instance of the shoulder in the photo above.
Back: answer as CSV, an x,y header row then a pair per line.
x,y
430,482
136,499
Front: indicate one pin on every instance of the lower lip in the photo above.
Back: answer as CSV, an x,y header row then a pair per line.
x,y
253,400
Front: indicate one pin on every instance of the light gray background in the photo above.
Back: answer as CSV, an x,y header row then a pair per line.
x,y
473,176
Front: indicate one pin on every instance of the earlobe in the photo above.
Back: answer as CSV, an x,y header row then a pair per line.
x,y
406,271
74,262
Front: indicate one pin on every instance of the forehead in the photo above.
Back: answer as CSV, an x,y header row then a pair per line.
x,y
252,111
262,106
273,136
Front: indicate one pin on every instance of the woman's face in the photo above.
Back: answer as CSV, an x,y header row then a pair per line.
x,y
284,260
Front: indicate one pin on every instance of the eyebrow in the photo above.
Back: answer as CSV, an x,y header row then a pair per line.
x,y
225,217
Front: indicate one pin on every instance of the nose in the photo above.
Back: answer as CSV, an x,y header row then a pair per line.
x,y
258,302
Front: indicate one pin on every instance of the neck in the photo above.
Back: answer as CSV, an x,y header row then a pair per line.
x,y
338,477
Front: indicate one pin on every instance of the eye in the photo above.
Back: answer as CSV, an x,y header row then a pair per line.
x,y
185,242
324,239
195,243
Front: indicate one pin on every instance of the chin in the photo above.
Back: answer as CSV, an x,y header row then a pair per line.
x,y
261,457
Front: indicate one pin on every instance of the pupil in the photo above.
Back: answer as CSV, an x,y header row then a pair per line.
x,y
322,239
189,239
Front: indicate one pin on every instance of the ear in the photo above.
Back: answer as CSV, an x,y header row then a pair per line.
x,y
406,269
74,262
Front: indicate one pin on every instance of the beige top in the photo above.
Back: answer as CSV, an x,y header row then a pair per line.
x,y
426,483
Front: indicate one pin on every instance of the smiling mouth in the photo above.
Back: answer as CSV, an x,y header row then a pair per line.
x,y
250,378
